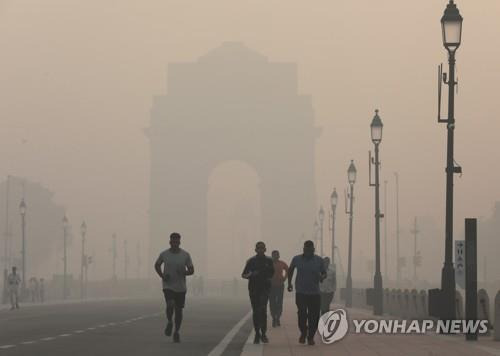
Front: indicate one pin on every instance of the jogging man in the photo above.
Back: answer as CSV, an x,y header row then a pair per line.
x,y
328,286
259,271
177,265
277,287
13,281
310,272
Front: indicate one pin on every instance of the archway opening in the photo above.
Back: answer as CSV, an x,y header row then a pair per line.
x,y
233,218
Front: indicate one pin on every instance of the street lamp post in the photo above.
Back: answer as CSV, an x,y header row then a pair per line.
x,y
65,256
114,257
385,231
125,259
83,230
321,216
398,258
315,232
22,211
333,203
451,23
416,255
376,134
351,176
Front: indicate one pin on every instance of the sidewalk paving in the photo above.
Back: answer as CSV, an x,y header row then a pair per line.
x,y
284,341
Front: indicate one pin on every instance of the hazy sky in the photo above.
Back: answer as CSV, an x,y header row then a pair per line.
x,y
78,77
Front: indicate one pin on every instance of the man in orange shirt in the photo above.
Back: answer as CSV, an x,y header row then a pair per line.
x,y
277,287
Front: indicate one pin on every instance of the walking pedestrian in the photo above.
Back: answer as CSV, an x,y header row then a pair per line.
x,y
259,271
177,265
328,286
13,281
277,287
310,272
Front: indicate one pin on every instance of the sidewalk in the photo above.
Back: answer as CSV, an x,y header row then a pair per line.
x,y
284,341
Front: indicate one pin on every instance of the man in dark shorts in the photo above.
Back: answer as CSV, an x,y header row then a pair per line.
x,y
259,270
310,272
177,265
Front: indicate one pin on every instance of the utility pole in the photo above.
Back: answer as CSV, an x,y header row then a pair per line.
x,y
65,257
125,254
415,232
6,245
385,231
139,261
114,257
83,230
398,259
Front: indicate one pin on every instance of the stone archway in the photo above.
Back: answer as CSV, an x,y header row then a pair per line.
x,y
231,104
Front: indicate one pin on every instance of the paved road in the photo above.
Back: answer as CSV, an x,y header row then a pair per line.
x,y
122,327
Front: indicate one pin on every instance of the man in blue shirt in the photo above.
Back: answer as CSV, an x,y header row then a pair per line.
x,y
310,272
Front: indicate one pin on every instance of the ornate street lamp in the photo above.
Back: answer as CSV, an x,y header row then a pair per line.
x,y
376,133
83,230
321,216
451,24
65,224
333,204
22,211
351,177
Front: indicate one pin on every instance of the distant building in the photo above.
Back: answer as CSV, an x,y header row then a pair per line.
x,y
231,104
43,227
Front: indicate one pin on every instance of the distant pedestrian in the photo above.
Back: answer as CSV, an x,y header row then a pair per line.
x,y
259,271
328,286
277,287
13,281
310,272
177,265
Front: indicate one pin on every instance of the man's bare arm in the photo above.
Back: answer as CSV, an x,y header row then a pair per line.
x,y
190,270
158,270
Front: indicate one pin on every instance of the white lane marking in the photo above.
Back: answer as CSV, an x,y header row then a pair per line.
x,y
219,349
78,331
7,346
250,349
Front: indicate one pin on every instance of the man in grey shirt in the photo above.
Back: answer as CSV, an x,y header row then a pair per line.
x,y
177,265
310,272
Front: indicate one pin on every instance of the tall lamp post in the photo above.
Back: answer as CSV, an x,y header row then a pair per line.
x,y
22,211
315,231
376,134
83,230
125,259
398,258
451,24
65,224
351,176
385,231
333,204
321,216
114,257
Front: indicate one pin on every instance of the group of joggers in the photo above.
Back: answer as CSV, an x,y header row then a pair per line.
x,y
315,286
